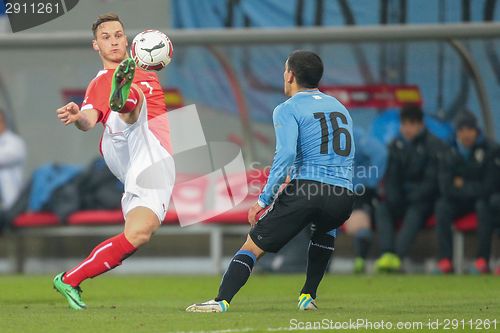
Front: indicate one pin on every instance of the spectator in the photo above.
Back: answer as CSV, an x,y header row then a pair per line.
x,y
410,188
464,180
488,226
369,167
12,157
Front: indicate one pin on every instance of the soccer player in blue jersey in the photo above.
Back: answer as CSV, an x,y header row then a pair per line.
x,y
315,148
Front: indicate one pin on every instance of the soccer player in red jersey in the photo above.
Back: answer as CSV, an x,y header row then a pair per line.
x,y
135,144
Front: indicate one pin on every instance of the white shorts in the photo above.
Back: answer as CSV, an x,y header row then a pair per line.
x,y
136,157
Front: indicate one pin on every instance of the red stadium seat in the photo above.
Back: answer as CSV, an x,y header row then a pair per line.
x,y
231,217
39,219
108,217
431,222
96,217
466,223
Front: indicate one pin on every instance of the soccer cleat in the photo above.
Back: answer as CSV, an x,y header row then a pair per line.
x,y
388,263
480,267
72,294
209,306
121,83
307,303
359,265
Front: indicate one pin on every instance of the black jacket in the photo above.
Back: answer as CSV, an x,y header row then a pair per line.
x,y
477,171
412,168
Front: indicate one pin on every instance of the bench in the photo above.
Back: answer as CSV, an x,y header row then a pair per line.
x,y
461,226
108,223
233,222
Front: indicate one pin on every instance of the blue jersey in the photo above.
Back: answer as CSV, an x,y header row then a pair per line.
x,y
314,141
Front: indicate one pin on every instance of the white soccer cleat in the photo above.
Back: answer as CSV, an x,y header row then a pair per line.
x,y
307,303
209,306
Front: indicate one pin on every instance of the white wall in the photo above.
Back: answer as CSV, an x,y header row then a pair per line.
x,y
135,14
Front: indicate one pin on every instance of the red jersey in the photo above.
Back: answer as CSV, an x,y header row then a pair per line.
x,y
99,89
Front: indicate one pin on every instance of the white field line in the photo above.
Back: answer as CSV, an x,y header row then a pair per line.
x,y
246,329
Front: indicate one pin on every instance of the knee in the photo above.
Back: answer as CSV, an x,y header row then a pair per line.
x,y
139,236
252,247
359,221
418,212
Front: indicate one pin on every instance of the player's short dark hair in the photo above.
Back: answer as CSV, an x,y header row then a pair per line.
x,y
307,68
412,113
108,17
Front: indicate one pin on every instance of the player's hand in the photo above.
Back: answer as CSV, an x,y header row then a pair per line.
x,y
253,212
69,113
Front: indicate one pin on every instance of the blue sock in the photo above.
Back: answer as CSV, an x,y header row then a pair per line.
x,y
236,275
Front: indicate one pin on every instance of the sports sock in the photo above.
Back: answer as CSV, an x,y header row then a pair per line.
x,y
236,275
320,251
132,101
103,258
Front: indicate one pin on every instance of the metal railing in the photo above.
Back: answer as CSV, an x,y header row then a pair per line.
x,y
267,36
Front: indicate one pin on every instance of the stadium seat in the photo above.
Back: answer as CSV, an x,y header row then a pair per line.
x,y
231,217
109,217
467,223
96,217
35,220
431,222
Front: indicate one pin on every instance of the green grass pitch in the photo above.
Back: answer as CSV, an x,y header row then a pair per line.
x,y
266,304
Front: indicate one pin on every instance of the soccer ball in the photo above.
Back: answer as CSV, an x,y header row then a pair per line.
x,y
152,50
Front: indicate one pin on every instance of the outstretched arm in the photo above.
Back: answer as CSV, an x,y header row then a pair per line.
x,y
83,120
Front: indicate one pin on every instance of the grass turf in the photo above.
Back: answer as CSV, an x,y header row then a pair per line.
x,y
266,303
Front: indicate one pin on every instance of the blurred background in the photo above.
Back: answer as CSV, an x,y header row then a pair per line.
x,y
441,56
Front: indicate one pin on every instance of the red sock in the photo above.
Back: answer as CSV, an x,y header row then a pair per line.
x,y
103,258
132,101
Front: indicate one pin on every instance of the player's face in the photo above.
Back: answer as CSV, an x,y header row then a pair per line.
x,y
467,136
287,80
410,129
111,42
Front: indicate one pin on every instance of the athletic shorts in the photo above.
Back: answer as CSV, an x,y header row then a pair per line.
x,y
301,203
136,157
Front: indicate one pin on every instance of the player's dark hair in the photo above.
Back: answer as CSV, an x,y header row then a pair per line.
x,y
412,113
307,68
108,17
